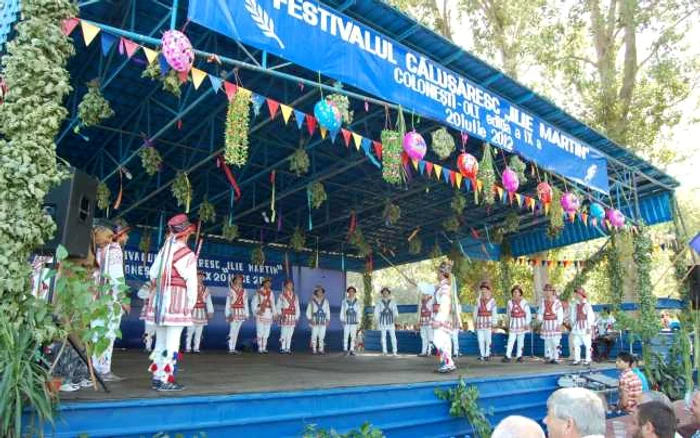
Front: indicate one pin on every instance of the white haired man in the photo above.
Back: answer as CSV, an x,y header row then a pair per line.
x,y
575,413
516,426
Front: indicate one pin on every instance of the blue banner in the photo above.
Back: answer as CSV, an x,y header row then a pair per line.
x,y
322,39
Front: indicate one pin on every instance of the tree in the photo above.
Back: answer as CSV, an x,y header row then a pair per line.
x,y
433,13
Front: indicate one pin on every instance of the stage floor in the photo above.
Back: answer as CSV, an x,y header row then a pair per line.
x,y
216,372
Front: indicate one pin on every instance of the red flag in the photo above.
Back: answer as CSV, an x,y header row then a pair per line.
x,y
452,178
346,136
68,25
130,47
230,89
429,167
273,106
221,164
378,147
183,76
311,123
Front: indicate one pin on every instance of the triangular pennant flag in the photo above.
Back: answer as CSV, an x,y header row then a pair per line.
x,y
567,263
546,208
107,41
164,66
197,77
257,100
519,199
310,124
299,117
572,216
549,262
532,204
324,131
446,175
358,140
559,263
334,135
90,31
415,163
230,89
182,75
286,113
378,147
429,167
584,218
346,136
458,179
543,262
452,177
499,190
438,170
130,47
479,185
421,166
150,54
468,184
215,83
68,25
273,106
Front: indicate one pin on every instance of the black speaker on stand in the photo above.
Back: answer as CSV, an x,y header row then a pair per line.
x,y
693,280
72,207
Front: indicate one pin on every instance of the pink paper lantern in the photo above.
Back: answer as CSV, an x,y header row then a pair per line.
x,y
510,180
467,165
570,202
414,145
616,218
177,50
544,192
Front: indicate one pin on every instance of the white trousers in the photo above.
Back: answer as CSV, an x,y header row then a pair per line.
x,y
455,342
103,363
149,331
194,337
551,347
426,337
318,338
484,338
262,331
392,334
571,345
165,352
443,342
233,334
582,340
511,341
286,332
349,335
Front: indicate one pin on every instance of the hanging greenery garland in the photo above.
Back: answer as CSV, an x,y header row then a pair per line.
x,y
357,239
616,273
367,300
181,190
643,249
392,213
170,81
556,214
103,196
443,144
94,107
318,194
435,252
151,161
237,126
299,162
145,242
590,266
511,224
312,261
487,174
451,224
517,165
257,256
458,203
229,232
415,245
207,212
392,148
298,240
343,104
152,71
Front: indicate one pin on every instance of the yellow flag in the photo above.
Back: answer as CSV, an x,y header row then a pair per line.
x,y
438,170
324,131
197,77
358,140
458,179
151,55
546,208
90,31
479,185
286,112
415,163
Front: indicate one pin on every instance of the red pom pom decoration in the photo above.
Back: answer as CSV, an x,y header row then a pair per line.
x,y
168,368
153,368
171,379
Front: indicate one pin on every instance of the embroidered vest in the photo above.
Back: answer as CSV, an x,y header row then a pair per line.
x,y
291,309
580,314
350,313
483,309
237,302
424,310
319,316
175,278
386,317
201,291
266,302
549,314
517,310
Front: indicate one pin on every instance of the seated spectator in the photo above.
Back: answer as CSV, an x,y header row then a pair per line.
x,y
516,426
630,384
575,413
653,420
606,335
656,396
640,374
692,430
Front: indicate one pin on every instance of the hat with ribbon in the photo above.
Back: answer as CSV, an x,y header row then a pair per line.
x,y
180,225
485,285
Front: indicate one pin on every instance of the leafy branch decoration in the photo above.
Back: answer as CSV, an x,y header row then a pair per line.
x,y
264,22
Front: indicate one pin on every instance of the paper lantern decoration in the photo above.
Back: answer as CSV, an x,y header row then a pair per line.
x,y
327,115
544,192
468,165
570,202
177,50
597,211
615,217
414,145
510,180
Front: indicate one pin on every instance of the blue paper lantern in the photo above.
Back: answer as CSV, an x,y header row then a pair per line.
x,y
327,115
597,211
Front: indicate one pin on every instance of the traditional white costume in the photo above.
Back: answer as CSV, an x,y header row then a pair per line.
x,y
551,314
485,316
582,322
425,315
318,313
203,309
519,323
350,312
263,304
236,312
386,312
289,310
445,319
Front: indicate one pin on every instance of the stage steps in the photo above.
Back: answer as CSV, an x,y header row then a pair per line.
x,y
399,410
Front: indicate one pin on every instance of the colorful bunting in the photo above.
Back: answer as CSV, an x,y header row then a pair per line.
x,y
286,113
346,136
89,32
458,179
358,140
150,54
299,117
378,148
310,124
129,46
107,41
197,77
230,89
438,170
421,166
415,163
273,106
69,25
324,131
216,83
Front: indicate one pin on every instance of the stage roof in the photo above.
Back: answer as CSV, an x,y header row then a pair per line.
x,y
188,132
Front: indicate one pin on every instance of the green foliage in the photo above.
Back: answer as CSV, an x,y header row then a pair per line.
x,y
392,213
299,162
443,144
298,240
415,245
487,174
366,322
511,223
170,81
257,256
207,212
451,224
342,102
103,196
517,166
151,161
463,401
589,267
237,126
94,107
668,374
145,242
649,321
392,148
616,273
318,194
459,202
229,232
365,431
181,190
435,252
357,240
556,214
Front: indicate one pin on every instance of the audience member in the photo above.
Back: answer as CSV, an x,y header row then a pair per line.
x,y
653,420
630,383
516,426
575,413
640,374
692,430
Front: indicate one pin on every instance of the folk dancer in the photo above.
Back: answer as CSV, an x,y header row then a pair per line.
x,y
519,322
582,319
237,311
485,315
551,314
445,318
109,257
457,328
174,274
149,330
202,313
289,311
350,318
566,308
318,313
263,304
386,313
425,316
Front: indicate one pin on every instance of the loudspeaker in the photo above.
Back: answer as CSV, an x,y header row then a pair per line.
x,y
693,280
72,206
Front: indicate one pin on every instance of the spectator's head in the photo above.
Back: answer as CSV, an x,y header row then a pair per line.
x,y
624,361
516,426
655,396
695,406
575,413
653,420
